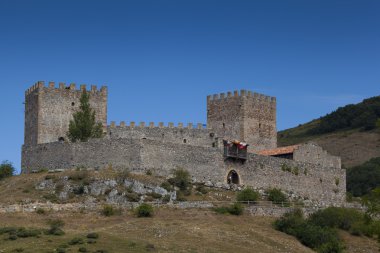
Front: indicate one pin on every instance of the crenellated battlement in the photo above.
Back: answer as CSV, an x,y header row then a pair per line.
x,y
63,86
239,94
180,125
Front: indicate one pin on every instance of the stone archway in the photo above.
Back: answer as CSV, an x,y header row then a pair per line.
x,y
233,177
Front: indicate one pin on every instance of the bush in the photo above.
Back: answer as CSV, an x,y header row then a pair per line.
x,y
166,198
40,211
290,222
132,196
181,179
82,249
247,195
6,169
79,175
93,236
276,196
56,227
144,210
75,241
167,186
321,239
235,209
24,233
108,210
336,217
202,189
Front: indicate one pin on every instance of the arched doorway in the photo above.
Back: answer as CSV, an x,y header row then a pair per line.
x,y
233,177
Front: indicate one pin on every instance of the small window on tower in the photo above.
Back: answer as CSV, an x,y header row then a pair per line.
x,y
72,104
259,125
184,140
224,125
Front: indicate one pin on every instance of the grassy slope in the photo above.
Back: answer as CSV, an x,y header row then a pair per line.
x,y
353,146
169,230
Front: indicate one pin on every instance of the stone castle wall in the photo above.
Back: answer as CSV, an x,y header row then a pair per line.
x,y
313,153
188,135
247,116
48,110
311,181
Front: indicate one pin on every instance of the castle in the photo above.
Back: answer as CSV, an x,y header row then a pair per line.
x,y
238,145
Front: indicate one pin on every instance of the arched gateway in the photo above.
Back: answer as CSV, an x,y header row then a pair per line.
x,y
233,177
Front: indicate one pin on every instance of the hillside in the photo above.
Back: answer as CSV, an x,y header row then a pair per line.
x,y
169,230
351,132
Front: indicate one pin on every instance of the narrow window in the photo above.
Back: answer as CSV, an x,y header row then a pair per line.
x,y
72,104
184,140
224,125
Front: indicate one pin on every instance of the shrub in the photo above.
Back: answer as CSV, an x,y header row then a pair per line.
x,y
181,196
247,195
144,210
336,217
167,186
149,172
24,233
321,239
60,250
6,169
108,210
132,196
12,237
181,179
290,222
155,195
276,196
82,249
202,189
56,227
235,209
75,241
40,211
166,198
221,210
91,241
93,236
79,175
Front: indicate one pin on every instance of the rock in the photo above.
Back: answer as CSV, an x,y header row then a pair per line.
x,y
45,185
209,184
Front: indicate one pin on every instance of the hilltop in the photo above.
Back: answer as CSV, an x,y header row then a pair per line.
x,y
351,132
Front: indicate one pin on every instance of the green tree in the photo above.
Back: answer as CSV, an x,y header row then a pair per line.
x,y
372,201
83,126
6,169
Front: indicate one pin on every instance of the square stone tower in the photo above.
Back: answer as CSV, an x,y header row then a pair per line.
x,y
248,117
48,110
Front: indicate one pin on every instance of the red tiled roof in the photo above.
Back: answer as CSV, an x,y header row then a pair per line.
x,y
278,151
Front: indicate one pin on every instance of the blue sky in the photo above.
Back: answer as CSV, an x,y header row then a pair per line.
x,y
160,59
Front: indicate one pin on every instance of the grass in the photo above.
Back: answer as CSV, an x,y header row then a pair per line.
x,y
170,230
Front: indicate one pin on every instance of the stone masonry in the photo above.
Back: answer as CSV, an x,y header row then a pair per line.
x,y
312,174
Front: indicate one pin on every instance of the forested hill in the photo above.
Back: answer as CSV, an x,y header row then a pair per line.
x,y
352,132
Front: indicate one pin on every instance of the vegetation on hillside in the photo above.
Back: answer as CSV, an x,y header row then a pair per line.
x,y
84,126
362,179
6,169
319,231
363,116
